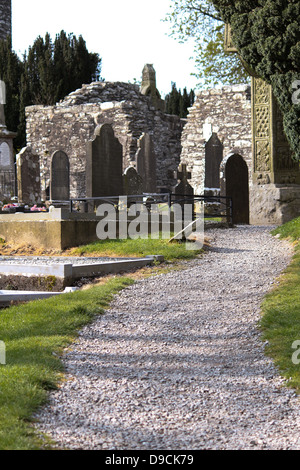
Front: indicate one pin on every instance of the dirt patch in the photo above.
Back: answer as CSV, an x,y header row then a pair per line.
x,y
32,283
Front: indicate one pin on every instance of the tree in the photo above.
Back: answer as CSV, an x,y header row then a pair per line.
x,y
53,70
201,21
46,74
11,70
266,34
177,103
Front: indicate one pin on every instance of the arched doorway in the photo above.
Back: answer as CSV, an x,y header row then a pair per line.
x,y
237,187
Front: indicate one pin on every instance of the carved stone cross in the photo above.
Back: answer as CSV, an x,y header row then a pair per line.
x,y
182,174
183,187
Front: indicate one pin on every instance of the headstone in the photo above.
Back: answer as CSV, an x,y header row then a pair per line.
x,y
5,160
184,192
213,159
28,177
104,164
132,182
60,177
183,187
146,163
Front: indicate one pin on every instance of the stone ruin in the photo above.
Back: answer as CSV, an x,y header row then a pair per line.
x,y
93,125
113,138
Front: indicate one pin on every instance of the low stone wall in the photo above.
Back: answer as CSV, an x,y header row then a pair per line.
x,y
274,204
60,229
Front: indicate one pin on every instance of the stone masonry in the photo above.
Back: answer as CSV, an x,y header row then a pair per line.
x,y
225,112
71,123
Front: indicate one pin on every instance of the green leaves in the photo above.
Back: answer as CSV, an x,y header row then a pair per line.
x,y
200,21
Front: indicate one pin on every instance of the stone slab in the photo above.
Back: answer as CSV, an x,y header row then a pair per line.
x,y
272,204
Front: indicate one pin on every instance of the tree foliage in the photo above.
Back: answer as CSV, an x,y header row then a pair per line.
x,y
201,21
267,36
178,102
48,72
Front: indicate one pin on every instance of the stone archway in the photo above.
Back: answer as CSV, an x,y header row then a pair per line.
x,y
235,184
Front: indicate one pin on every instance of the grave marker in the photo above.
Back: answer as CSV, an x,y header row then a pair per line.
x,y
28,177
104,164
146,163
213,159
132,182
60,177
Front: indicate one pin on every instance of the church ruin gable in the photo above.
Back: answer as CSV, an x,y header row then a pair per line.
x,y
71,123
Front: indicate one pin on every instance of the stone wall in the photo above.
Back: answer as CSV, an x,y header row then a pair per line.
x,y
70,124
226,112
5,19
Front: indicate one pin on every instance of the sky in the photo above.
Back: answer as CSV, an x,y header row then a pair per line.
x,y
127,34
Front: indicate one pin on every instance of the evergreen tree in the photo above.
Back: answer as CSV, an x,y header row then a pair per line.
x,y
178,102
266,34
47,73
11,70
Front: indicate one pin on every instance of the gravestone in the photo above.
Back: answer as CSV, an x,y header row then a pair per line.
x,y
213,159
184,192
146,163
132,182
104,164
183,187
28,177
4,155
60,177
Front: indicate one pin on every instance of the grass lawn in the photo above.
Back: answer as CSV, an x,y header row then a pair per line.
x,y
280,323
136,247
35,334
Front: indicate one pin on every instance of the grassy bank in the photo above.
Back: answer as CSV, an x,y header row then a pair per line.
x,y
137,247
35,335
281,312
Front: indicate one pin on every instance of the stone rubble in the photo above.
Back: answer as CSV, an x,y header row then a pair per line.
x,y
177,362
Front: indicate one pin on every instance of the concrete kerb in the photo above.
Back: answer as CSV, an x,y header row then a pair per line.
x,y
71,272
67,273
7,297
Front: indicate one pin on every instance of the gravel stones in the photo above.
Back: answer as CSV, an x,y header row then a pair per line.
x,y
177,361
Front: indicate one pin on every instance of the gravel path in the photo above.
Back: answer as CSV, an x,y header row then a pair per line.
x,y
177,362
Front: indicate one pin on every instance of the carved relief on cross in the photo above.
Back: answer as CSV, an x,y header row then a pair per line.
x,y
183,187
182,174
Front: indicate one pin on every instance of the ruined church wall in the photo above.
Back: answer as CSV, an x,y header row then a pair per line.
x,y
70,124
225,111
